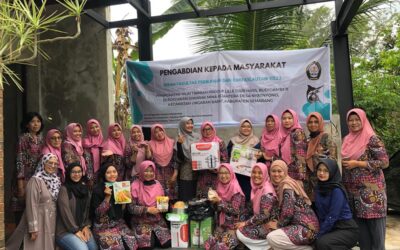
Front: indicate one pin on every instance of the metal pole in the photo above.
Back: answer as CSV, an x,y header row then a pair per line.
x,y
344,86
144,33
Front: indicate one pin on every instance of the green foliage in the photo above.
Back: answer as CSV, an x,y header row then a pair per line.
x,y
376,84
22,23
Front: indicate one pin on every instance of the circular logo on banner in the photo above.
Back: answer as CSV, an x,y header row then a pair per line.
x,y
313,70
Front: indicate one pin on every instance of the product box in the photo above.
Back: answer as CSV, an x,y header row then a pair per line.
x,y
243,159
200,231
122,192
179,230
205,155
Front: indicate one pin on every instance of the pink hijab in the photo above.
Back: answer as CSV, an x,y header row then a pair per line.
x,y
76,144
270,139
226,191
94,144
355,143
257,191
47,148
162,150
213,137
117,146
288,183
146,194
285,134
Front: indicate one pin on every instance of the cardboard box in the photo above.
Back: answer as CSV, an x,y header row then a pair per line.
x,y
179,234
243,159
200,231
179,230
205,155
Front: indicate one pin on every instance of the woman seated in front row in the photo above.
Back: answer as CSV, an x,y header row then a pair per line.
x,y
73,222
147,221
297,224
230,202
109,227
253,232
338,230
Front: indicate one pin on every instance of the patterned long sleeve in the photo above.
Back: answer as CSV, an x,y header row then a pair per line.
x,y
287,208
267,203
102,209
297,168
224,152
233,207
376,154
89,164
136,209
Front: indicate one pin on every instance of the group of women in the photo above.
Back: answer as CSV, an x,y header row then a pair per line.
x,y
293,199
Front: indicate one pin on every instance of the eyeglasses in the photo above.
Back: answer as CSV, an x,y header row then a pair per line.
x,y
58,138
76,172
207,129
52,164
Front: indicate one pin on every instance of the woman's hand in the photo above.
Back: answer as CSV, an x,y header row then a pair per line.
x,y
181,139
86,233
273,224
350,164
153,210
34,235
240,225
80,235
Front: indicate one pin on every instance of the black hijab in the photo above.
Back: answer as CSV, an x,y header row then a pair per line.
x,y
80,191
335,178
115,212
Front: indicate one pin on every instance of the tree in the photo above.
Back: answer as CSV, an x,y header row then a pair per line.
x,y
23,24
376,79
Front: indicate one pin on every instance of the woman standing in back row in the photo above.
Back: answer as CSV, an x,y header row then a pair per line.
x,y
363,158
293,147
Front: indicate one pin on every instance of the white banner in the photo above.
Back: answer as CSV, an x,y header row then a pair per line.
x,y
224,87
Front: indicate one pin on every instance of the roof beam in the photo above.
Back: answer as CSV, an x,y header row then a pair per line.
x,y
345,15
97,18
139,7
194,7
217,11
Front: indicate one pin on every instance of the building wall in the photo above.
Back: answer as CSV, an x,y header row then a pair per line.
x,y
75,84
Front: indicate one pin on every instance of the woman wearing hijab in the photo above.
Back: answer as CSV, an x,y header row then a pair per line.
x,y
253,232
53,145
230,202
319,145
338,230
113,149
73,222
38,224
293,146
147,221
92,147
136,151
72,149
164,157
363,158
296,225
245,137
109,227
270,139
187,177
29,147
208,178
